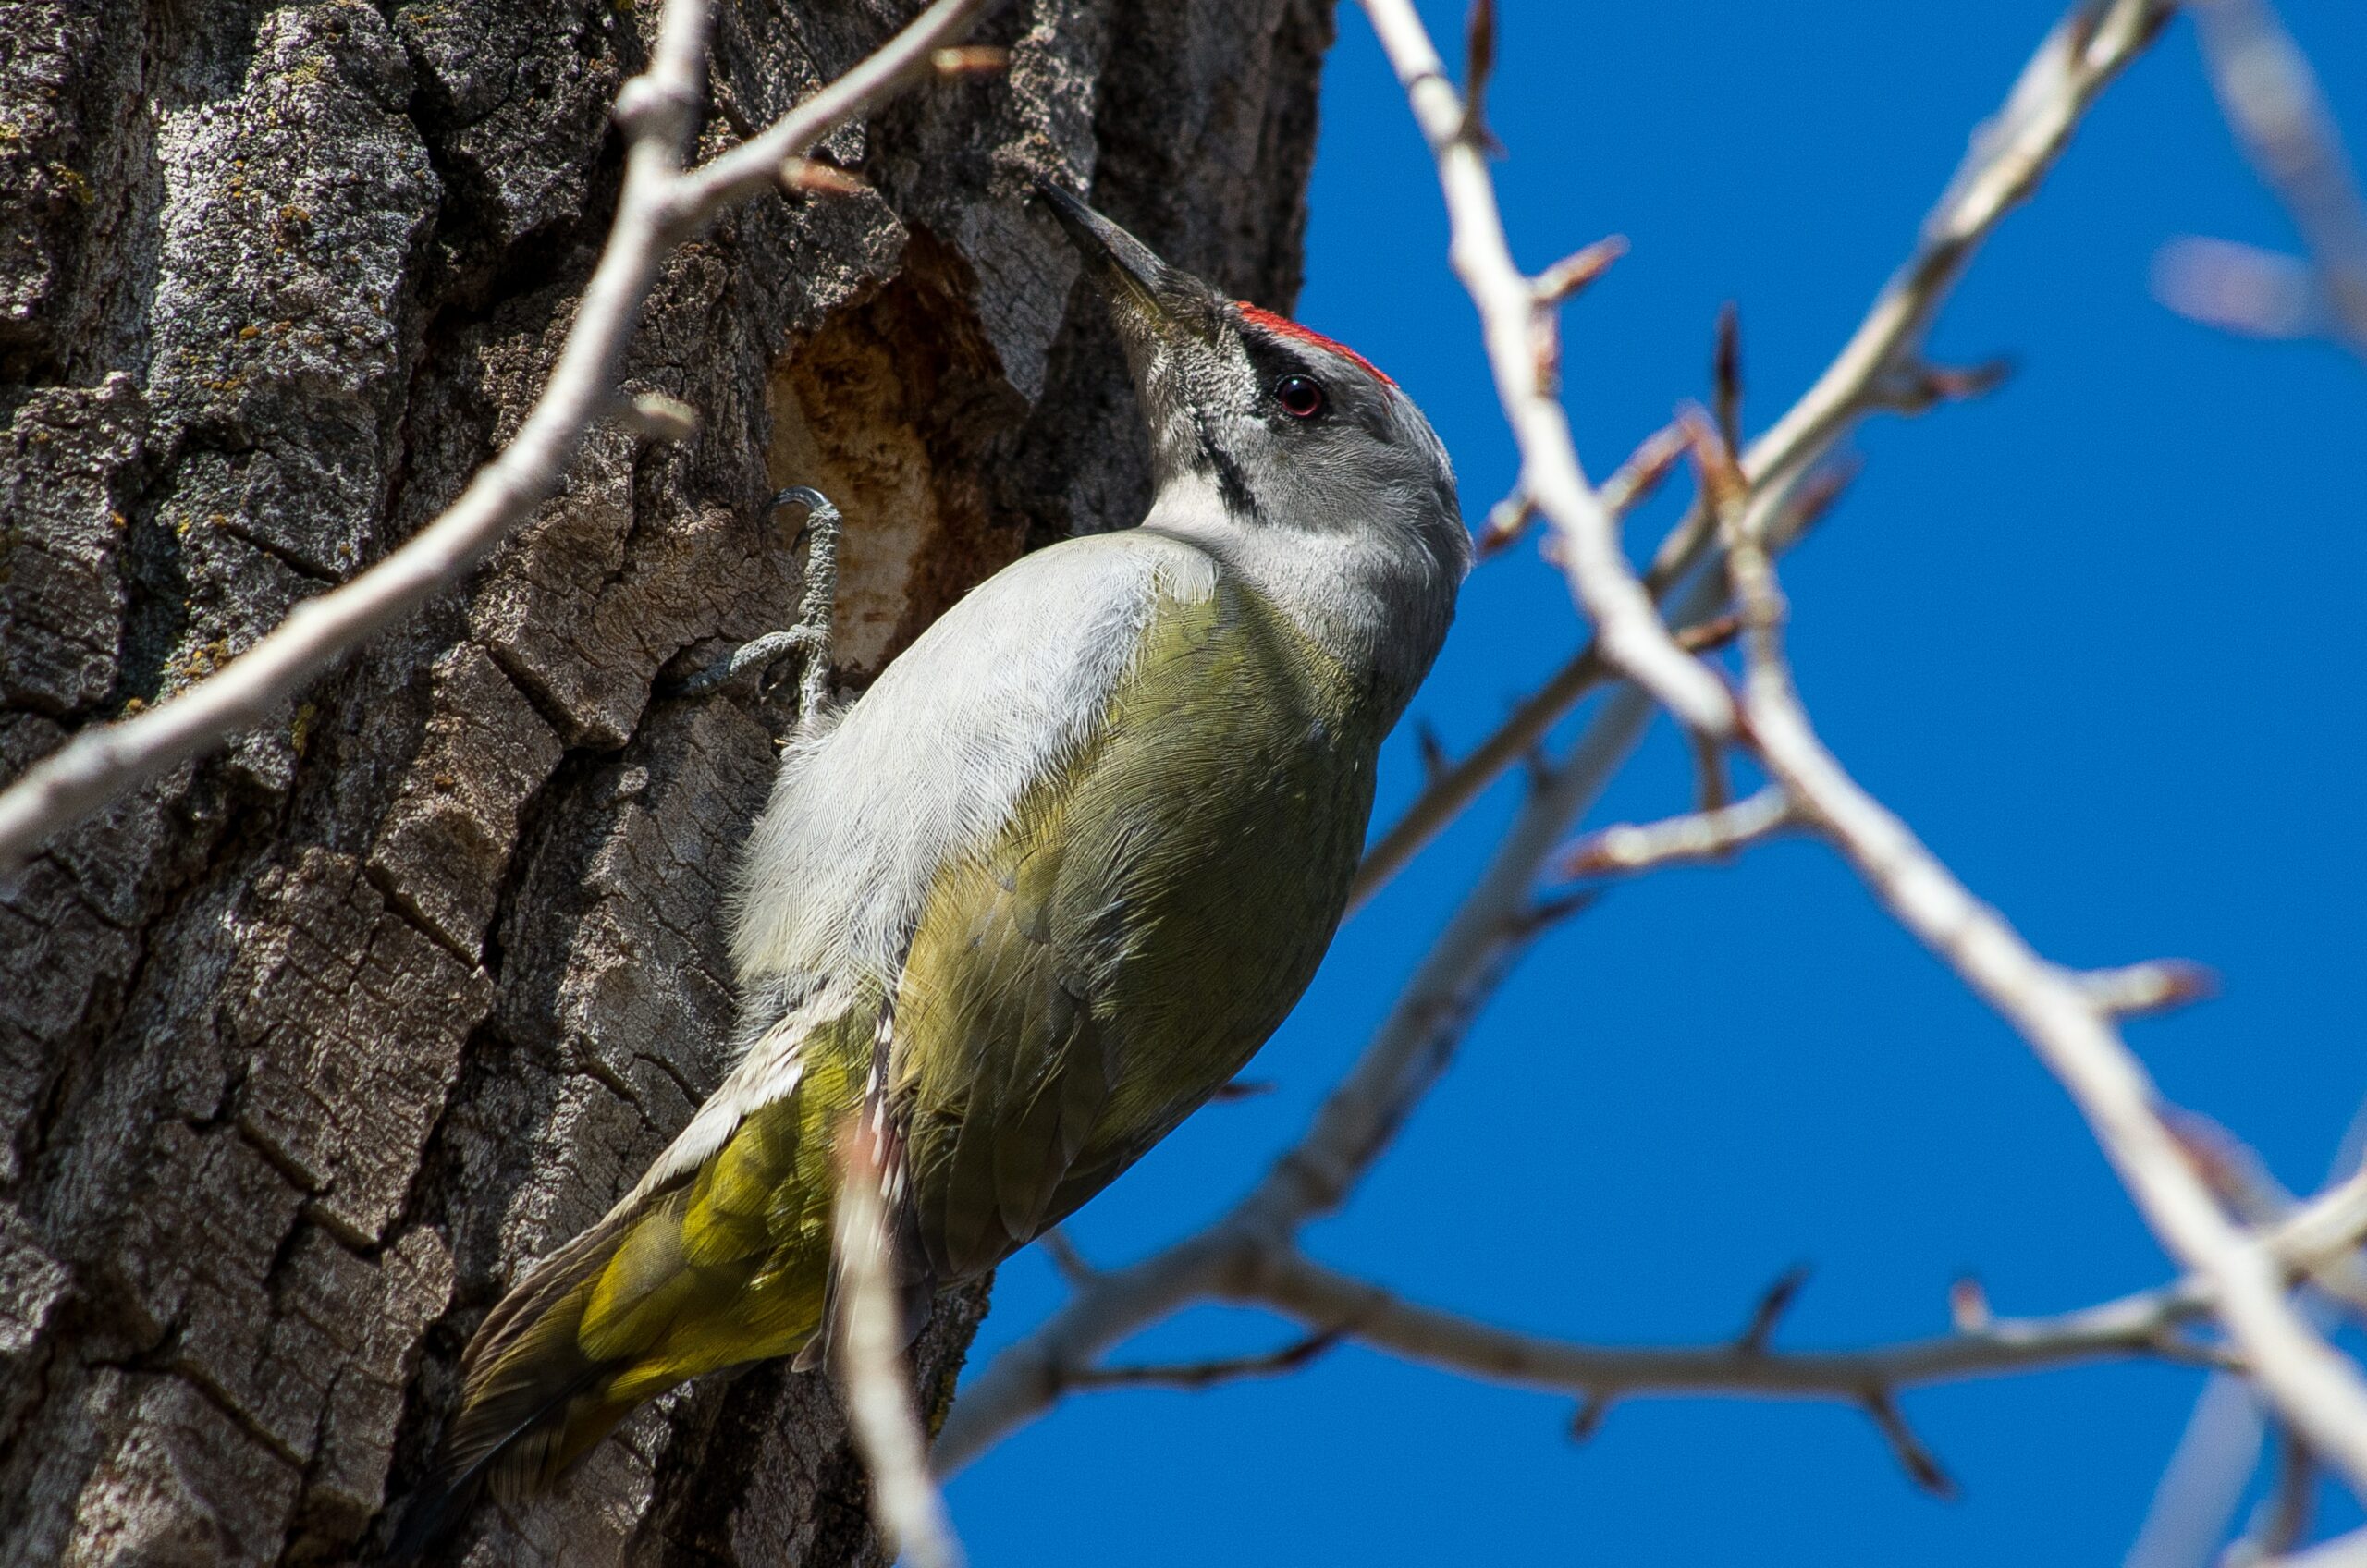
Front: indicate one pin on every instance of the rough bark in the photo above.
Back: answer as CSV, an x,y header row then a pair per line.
x,y
308,1050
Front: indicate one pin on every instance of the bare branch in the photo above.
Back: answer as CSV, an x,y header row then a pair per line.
x,y
1415,1044
1773,1302
2158,986
1515,333
2007,159
1070,1262
869,1354
659,206
1683,840
1448,789
2271,98
1512,743
2088,48
2319,1391
1338,1306
2219,1451
1197,1376
2143,1324
1916,1459
747,169
2343,1551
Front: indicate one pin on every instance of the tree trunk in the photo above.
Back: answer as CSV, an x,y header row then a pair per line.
x,y
308,1050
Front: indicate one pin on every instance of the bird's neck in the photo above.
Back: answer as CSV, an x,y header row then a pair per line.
x,y
1369,596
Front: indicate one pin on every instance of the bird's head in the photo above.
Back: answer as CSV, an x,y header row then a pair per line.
x,y
1284,426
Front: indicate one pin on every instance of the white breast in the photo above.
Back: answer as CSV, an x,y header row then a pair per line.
x,y
931,760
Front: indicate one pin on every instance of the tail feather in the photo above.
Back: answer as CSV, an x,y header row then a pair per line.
x,y
532,1399
447,1495
726,1262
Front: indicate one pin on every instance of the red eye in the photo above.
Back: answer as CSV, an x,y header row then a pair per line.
x,y
1300,396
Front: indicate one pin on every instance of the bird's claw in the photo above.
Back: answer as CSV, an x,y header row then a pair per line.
x,y
811,636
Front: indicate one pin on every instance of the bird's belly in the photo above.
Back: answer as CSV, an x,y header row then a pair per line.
x,y
1143,924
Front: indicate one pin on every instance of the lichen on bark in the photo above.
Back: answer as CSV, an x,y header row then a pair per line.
x,y
309,1049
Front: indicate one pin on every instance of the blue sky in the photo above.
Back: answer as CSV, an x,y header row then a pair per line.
x,y
2093,637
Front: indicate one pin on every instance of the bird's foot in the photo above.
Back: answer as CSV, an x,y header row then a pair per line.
x,y
810,638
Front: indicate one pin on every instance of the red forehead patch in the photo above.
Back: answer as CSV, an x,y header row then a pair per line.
x,y
1285,327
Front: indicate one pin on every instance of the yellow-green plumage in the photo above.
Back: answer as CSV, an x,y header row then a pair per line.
x,y
1148,916
1039,894
728,1263
1072,990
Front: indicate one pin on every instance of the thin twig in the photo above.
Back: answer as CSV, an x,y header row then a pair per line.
x,y
1517,334
659,206
2145,1324
868,1345
1577,270
1411,1049
2319,1391
1914,1457
2158,985
1725,376
750,168
2285,1517
2007,159
2343,1551
2271,97
1769,1310
1197,1376
1683,840
1066,1260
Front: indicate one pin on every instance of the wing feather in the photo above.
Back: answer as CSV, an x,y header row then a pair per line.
x,y
1086,976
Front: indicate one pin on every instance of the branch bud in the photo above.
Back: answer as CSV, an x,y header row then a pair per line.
x,y
810,178
1572,272
660,417
1507,521
1969,1306
976,59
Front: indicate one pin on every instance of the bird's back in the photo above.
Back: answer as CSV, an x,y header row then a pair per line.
x,y
1046,885
1084,978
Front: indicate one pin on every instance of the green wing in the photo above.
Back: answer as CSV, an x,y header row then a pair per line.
x,y
726,1262
1145,921
1072,990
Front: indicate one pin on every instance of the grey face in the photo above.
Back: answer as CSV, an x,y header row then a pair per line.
x,y
1291,429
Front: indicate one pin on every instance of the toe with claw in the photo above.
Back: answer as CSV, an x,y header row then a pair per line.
x,y
810,638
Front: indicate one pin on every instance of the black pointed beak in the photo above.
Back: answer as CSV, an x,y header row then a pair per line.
x,y
1144,292
1103,243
